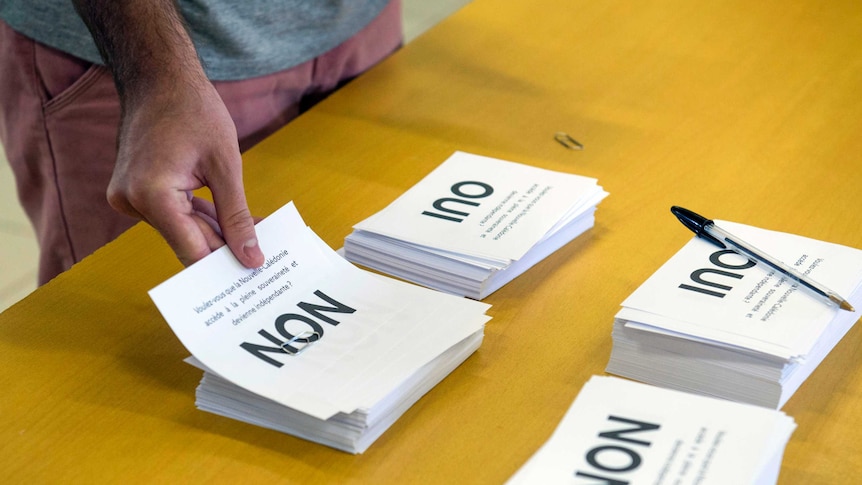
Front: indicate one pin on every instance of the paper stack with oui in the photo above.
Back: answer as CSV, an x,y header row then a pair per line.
x,y
713,322
474,224
310,345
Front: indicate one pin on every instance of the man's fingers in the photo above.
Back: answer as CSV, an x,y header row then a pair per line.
x,y
186,230
238,231
234,219
206,211
208,227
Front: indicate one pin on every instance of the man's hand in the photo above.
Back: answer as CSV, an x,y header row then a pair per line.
x,y
175,135
169,146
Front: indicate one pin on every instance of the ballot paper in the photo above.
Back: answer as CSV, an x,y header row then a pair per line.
x,y
310,345
714,322
474,224
623,432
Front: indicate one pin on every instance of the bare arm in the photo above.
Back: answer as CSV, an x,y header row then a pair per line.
x,y
175,133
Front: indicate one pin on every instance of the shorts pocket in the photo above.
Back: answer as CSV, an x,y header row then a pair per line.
x,y
92,76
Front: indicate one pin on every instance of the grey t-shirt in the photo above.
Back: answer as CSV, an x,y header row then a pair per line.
x,y
236,39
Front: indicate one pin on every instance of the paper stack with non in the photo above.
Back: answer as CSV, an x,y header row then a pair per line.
x,y
713,322
474,224
309,344
620,432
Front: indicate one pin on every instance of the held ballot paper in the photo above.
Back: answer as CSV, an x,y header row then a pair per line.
x,y
622,432
713,322
310,345
474,224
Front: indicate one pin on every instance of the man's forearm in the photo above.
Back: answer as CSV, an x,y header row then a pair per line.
x,y
175,135
144,43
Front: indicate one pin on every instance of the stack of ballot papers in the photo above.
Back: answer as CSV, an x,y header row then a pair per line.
x,y
713,322
621,432
474,224
310,345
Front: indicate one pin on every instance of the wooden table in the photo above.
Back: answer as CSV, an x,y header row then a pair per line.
x,y
746,111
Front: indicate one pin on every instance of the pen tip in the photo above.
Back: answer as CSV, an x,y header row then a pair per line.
x,y
842,303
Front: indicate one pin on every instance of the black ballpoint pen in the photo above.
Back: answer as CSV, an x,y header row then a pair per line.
x,y
707,229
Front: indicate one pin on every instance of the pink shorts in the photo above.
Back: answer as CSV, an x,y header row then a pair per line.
x,y
59,117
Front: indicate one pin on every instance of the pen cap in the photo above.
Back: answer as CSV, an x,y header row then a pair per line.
x,y
697,223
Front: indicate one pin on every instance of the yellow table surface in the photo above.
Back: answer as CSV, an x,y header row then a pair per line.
x,y
744,111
